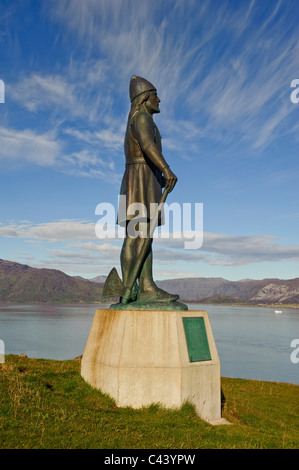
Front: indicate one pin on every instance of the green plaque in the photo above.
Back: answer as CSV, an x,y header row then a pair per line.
x,y
196,337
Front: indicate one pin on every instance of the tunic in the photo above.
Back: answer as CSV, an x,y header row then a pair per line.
x,y
142,180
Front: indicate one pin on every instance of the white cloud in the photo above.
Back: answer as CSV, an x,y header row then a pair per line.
x,y
28,146
244,95
167,274
217,249
230,250
110,138
38,91
20,147
105,253
61,230
237,92
235,95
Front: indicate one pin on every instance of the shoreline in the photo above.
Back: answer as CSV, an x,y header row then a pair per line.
x,y
246,305
188,302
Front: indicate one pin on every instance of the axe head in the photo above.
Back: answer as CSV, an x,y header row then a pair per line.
x,y
113,286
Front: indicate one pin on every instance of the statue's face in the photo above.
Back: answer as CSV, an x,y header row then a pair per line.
x,y
152,103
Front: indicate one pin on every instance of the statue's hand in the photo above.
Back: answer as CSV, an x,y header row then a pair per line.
x,y
170,178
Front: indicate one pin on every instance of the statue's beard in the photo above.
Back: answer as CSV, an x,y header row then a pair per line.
x,y
151,108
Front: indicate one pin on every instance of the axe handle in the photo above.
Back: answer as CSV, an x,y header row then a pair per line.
x,y
147,241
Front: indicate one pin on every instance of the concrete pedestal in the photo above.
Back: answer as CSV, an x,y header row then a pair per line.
x,y
144,357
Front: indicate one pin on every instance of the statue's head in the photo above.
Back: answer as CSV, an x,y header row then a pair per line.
x,y
141,90
139,85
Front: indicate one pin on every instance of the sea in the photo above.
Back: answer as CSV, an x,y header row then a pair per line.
x,y
254,343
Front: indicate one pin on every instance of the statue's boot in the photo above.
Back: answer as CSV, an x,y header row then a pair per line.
x,y
156,295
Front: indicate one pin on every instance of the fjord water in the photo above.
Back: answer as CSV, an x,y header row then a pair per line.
x,y
252,342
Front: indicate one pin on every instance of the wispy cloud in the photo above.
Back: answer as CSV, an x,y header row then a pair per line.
x,y
217,249
112,139
61,230
68,103
224,76
20,147
230,65
28,146
223,71
6,17
245,91
37,92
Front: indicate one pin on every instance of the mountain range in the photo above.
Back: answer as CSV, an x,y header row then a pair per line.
x,y
21,283
218,290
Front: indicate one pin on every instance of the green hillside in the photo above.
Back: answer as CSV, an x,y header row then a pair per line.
x,y
46,404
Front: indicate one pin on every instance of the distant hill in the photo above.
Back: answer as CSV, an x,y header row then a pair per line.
x,y
21,283
218,290
99,279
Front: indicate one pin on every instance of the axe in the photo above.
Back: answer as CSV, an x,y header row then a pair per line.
x,y
113,285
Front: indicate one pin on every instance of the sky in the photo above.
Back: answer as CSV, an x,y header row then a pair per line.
x,y
225,71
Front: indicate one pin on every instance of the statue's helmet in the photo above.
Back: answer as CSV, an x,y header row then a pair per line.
x,y
139,85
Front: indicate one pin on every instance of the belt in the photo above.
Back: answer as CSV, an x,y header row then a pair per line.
x,y
136,161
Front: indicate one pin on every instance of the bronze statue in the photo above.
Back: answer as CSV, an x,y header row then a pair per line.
x,y
146,173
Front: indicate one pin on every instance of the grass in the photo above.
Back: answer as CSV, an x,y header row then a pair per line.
x,y
46,404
